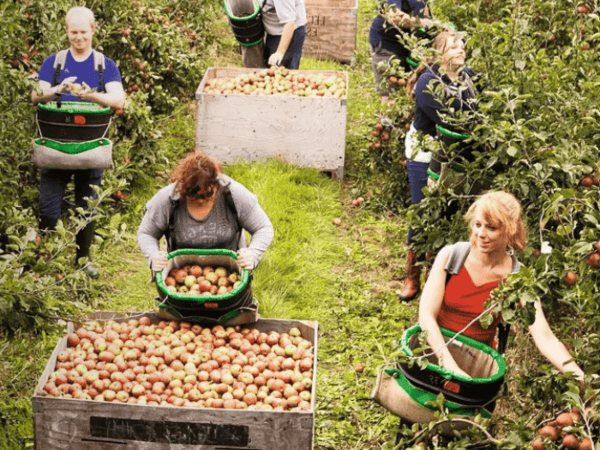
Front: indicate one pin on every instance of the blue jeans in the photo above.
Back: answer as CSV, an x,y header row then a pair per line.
x,y
291,59
417,180
53,184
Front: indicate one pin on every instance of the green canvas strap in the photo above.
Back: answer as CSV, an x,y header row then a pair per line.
x,y
72,148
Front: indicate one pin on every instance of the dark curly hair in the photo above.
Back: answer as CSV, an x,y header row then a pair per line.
x,y
196,170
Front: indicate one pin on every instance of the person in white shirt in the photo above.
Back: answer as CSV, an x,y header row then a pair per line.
x,y
285,24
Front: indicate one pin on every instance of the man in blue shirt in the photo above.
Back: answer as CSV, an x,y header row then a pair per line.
x,y
385,34
76,79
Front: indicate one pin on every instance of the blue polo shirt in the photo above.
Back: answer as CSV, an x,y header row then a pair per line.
x,y
83,70
428,108
387,35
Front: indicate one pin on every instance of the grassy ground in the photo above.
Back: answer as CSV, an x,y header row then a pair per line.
x,y
345,277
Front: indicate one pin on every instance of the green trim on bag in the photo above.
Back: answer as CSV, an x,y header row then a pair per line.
x,y
425,398
433,175
498,358
75,108
251,44
230,14
197,319
457,167
244,279
411,62
451,134
72,148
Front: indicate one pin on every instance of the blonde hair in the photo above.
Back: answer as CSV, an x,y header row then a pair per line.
x,y
82,12
439,45
504,211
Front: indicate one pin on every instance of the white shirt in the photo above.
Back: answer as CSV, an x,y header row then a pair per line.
x,y
276,13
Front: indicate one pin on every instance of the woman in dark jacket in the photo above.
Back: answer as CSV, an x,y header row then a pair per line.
x,y
385,34
457,83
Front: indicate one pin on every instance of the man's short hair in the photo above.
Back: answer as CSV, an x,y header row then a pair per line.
x,y
80,11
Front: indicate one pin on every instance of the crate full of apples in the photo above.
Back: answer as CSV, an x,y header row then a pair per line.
x,y
147,364
248,114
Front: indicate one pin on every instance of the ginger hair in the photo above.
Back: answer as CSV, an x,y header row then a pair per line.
x,y
196,169
439,45
504,211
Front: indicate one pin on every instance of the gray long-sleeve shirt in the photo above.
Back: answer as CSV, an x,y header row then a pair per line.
x,y
217,230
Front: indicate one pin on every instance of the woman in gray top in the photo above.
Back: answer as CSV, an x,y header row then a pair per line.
x,y
203,208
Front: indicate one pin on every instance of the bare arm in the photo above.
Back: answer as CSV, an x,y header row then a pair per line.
x,y
429,308
286,37
44,93
549,345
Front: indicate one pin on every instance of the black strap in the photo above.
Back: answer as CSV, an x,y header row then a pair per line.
x,y
100,70
170,233
231,205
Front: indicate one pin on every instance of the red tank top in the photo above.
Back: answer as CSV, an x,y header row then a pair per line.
x,y
463,301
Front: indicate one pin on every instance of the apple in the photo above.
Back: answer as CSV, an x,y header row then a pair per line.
x,y
570,278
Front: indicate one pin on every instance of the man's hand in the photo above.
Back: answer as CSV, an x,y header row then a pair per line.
x,y
275,59
65,85
159,261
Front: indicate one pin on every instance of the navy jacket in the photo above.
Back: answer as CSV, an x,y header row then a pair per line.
x,y
385,35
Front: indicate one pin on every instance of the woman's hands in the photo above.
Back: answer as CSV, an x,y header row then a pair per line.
x,y
245,258
446,361
158,262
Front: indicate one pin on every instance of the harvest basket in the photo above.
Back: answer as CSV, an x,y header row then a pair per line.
x,y
245,21
409,391
73,121
199,308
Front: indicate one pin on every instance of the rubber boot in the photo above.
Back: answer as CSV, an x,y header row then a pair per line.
x,y
412,282
84,241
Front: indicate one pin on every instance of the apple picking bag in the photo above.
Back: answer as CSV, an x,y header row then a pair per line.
x,y
409,391
72,136
237,307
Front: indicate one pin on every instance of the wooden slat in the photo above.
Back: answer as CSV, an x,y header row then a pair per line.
x,y
331,29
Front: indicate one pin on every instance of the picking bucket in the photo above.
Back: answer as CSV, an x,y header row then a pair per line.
x,y
245,21
410,391
73,121
205,308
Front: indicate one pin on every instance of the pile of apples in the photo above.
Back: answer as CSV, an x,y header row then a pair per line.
x,y
562,431
279,81
184,365
196,280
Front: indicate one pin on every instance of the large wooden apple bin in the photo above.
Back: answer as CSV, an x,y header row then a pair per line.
x,y
305,131
67,423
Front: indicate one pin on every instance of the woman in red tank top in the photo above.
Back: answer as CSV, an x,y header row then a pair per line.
x,y
497,229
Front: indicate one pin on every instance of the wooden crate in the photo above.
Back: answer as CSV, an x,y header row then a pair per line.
x,y
305,131
61,423
331,29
